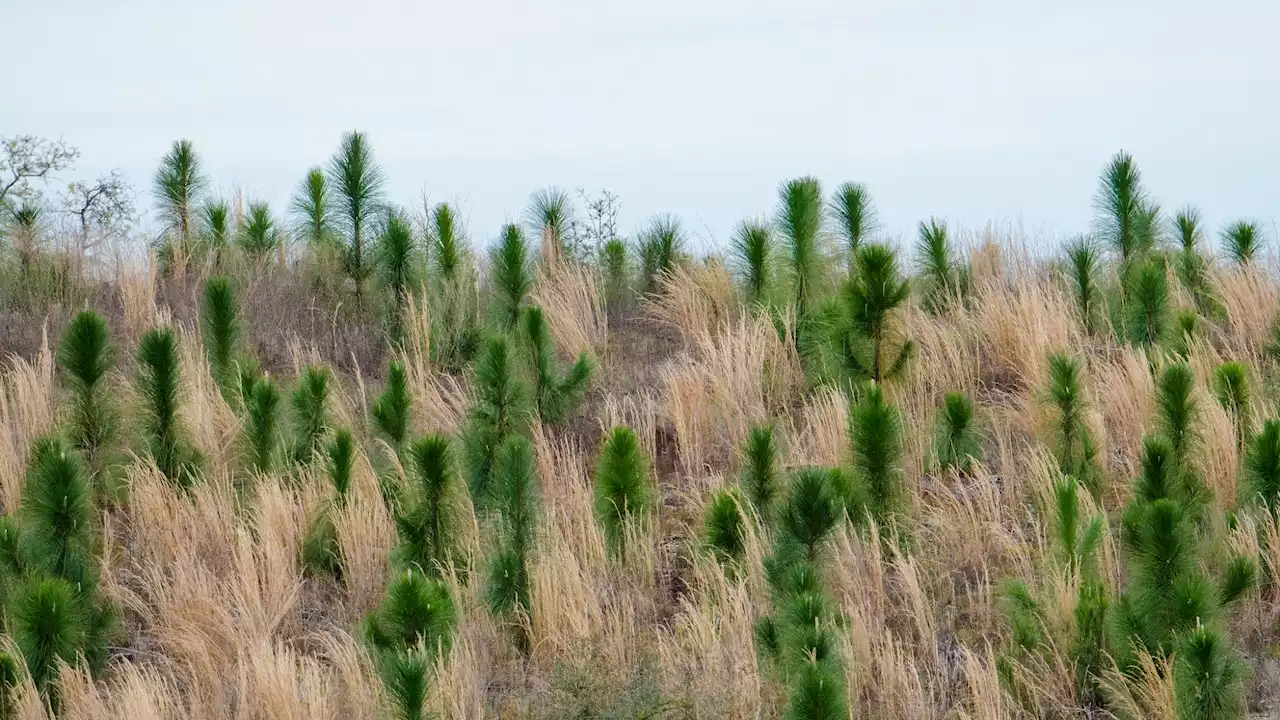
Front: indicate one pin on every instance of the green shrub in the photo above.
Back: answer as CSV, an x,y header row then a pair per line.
x,y
49,624
509,588
258,235
404,677
799,222
220,330
1208,677
417,611
1262,467
1071,440
57,514
398,262
1231,388
1147,294
817,693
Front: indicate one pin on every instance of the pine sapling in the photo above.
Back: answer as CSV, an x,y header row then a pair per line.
x,y
510,583
85,358
510,276
956,445
753,255
392,411
759,475
160,383
428,528
556,395
500,408
261,426
310,413
622,486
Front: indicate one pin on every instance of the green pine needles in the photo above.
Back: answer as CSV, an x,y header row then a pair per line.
x,y
759,476
661,248
1148,303
1071,440
392,411
358,186
875,432
177,187
516,490
258,235
397,259
1121,208
1261,475
220,330
215,228
865,328
510,276
799,223
812,509
500,408
86,357
1084,267
855,216
622,493
314,220
956,444
724,528
261,427
753,257
310,413
428,529
556,395
1242,240
160,384
944,278
412,624
615,269
1232,390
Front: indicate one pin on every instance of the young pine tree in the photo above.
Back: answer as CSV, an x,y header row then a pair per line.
x,y
1147,299
314,221
550,217
1084,266
943,276
57,514
85,357
392,411
258,235
1120,206
160,384
516,488
1242,241
956,444
1261,476
615,268
556,395
811,510
178,185
799,222
428,528
320,551
875,432
358,183
759,477
661,246
310,413
622,486
753,258
870,300
1071,440
216,229
398,262
855,216
1193,267
1231,389
261,427
724,530
500,408
511,276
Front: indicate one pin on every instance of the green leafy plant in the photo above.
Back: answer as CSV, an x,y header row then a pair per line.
x,y
556,395
357,182
160,384
310,413
661,246
622,493
86,357
500,408
855,215
392,411
511,276
753,256
956,446
1242,240
428,529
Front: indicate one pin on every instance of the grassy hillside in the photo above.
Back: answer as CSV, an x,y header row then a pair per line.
x,y
345,461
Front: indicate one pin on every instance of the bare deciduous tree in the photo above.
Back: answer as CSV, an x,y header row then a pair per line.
x,y
27,157
104,206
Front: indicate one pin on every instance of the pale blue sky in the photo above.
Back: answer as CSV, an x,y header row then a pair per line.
x,y
996,110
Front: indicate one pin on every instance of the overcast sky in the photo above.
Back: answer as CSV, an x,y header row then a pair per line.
x,y
997,110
